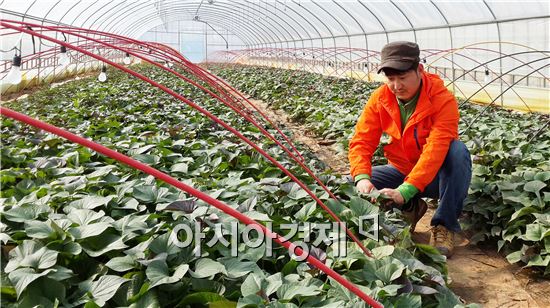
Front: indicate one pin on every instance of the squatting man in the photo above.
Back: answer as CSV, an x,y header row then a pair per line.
x,y
425,157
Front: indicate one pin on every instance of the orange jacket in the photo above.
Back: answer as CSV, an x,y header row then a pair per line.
x,y
420,151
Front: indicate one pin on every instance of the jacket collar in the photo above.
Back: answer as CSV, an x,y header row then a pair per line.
x,y
423,106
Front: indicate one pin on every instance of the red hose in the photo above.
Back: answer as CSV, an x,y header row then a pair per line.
x,y
198,108
206,198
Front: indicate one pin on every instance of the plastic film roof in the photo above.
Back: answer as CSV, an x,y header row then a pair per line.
x,y
276,21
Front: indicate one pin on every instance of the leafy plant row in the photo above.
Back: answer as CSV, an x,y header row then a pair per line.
x,y
509,199
81,229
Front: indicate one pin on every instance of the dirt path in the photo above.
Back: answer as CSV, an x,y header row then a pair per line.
x,y
479,275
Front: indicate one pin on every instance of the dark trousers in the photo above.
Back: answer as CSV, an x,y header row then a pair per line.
x,y
450,185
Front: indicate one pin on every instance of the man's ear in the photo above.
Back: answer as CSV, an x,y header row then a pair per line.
x,y
420,67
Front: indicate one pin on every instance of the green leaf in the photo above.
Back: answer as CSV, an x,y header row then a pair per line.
x,y
389,272
38,229
147,159
250,301
535,232
88,202
306,210
43,292
382,251
274,282
179,167
27,212
60,273
514,256
362,207
408,301
145,193
31,254
22,277
207,267
102,289
90,230
543,176
158,273
523,211
251,285
97,245
141,150
148,300
292,290
83,217
201,298
294,191
538,260
121,264
534,186
164,244
236,268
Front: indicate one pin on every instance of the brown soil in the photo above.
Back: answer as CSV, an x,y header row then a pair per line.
x,y
478,274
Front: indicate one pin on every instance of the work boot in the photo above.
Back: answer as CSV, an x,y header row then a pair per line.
x,y
415,212
443,240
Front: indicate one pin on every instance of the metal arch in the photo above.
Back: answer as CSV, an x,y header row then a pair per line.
x,y
315,16
450,37
345,30
243,37
107,18
249,8
499,45
269,24
283,20
250,29
289,25
93,13
97,11
70,9
27,10
268,13
42,23
126,13
89,6
356,21
306,20
302,39
253,35
268,18
407,18
138,6
31,17
122,15
264,27
246,39
377,19
49,11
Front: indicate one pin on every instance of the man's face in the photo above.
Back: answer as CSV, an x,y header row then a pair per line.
x,y
405,85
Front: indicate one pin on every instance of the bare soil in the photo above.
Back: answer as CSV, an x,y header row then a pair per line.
x,y
478,274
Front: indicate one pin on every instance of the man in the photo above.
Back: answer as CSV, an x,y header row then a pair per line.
x,y
425,157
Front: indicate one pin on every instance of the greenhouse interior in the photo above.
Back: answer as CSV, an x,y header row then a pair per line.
x,y
275,153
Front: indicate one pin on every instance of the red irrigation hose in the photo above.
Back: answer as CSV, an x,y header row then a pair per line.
x,y
209,115
206,198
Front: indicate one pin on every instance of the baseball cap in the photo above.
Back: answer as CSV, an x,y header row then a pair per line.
x,y
399,56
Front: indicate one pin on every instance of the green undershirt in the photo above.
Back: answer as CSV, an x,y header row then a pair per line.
x,y
406,109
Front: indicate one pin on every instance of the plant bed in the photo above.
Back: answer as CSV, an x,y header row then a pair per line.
x,y
79,228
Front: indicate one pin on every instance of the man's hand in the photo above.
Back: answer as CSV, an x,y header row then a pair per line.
x,y
394,194
365,186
